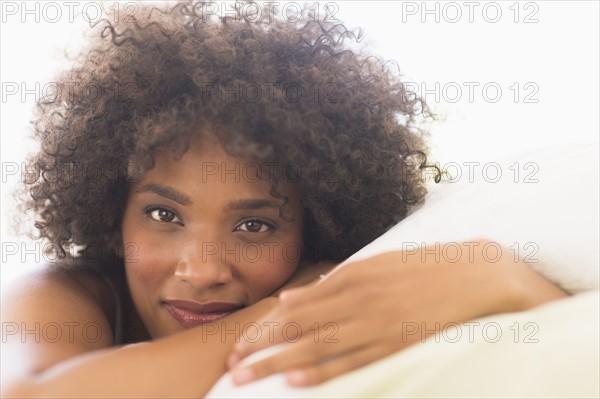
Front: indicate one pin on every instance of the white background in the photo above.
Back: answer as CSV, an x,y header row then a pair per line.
x,y
554,58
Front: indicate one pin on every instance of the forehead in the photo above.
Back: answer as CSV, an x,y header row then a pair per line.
x,y
207,163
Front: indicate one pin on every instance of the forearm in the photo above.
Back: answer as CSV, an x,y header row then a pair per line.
x,y
182,365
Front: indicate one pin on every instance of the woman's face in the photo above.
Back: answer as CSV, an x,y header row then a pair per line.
x,y
203,237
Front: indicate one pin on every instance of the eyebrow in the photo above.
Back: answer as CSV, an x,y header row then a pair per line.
x,y
181,198
253,204
166,192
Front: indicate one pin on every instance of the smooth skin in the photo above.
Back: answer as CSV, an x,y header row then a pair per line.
x,y
205,228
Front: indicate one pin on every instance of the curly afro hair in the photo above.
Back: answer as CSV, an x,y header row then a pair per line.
x,y
269,89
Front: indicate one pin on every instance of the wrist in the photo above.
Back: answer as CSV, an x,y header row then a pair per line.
x,y
535,289
524,288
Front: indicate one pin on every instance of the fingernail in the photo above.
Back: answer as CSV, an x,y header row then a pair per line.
x,y
296,377
232,360
287,295
243,375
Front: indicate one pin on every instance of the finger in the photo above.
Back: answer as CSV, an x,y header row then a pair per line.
x,y
305,320
328,342
320,373
339,309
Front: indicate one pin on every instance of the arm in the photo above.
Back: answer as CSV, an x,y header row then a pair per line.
x,y
364,309
182,365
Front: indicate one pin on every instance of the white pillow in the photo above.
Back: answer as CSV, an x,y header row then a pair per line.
x,y
548,212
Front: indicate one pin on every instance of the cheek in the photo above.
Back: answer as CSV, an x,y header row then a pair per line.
x,y
147,264
267,267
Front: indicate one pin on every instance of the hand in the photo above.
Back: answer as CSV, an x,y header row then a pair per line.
x,y
307,273
372,308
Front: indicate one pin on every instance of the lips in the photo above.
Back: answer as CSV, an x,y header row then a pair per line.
x,y
191,314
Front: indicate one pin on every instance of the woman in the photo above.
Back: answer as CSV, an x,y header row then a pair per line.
x,y
199,167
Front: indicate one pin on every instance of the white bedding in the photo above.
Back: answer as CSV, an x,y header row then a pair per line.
x,y
557,218
550,351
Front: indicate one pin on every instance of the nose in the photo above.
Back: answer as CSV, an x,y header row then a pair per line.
x,y
204,266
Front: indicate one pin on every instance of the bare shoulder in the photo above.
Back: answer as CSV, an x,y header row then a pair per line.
x,y
51,315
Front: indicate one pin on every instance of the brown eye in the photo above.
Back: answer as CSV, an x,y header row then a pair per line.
x,y
163,215
254,226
